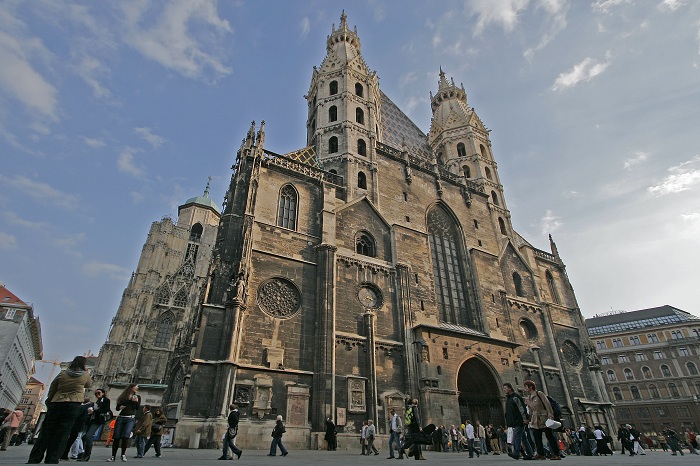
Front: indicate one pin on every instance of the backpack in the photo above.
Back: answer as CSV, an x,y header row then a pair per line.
x,y
408,417
556,408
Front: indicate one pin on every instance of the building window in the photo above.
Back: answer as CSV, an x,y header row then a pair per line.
x,y
673,390
333,145
181,298
622,358
635,340
364,244
461,150
696,333
617,393
483,150
635,392
287,212
165,330
654,391
628,374
653,338
665,371
333,87
494,197
466,171
451,283
163,294
196,232
646,372
683,352
333,113
697,387
692,368
502,226
612,377
360,116
552,288
640,356
359,90
683,411
518,282
361,180
488,172
601,344
361,147
676,334
617,343
658,354
605,360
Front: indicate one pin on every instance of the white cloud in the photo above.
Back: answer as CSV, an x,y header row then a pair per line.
x,y
41,191
377,7
148,136
550,223
305,26
89,69
68,244
604,6
682,177
501,12
15,220
193,52
571,193
7,241
112,271
136,197
95,143
126,163
556,20
671,5
638,158
695,216
588,69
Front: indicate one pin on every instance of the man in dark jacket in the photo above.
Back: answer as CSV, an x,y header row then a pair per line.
x,y
623,435
231,434
412,423
516,418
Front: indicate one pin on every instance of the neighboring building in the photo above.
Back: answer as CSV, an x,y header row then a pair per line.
x,y
31,403
20,346
157,309
650,360
375,264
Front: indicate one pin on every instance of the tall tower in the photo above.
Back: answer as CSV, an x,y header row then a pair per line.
x,y
461,144
344,119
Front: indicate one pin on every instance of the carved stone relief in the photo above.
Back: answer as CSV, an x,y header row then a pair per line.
x,y
356,395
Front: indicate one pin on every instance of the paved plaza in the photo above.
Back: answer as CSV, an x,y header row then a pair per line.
x,y
176,456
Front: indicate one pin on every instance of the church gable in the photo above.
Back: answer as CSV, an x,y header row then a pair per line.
x,y
517,275
361,229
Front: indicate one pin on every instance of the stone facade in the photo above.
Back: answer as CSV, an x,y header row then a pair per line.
x,y
375,264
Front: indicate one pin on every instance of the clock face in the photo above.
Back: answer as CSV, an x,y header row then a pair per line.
x,y
369,297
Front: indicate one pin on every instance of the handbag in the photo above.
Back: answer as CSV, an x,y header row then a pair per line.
x,y
420,438
106,417
157,428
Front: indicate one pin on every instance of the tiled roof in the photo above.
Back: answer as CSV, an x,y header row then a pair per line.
x,y
307,156
397,128
7,297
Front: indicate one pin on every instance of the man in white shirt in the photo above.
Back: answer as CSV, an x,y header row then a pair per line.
x,y
470,438
395,429
363,437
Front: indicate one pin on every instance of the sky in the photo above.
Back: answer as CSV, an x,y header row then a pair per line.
x,y
114,113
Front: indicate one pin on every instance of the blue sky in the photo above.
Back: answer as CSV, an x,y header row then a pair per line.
x,y
114,113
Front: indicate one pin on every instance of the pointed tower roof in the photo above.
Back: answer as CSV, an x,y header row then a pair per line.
x,y
202,201
8,297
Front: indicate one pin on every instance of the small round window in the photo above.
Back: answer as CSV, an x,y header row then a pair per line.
x,y
528,329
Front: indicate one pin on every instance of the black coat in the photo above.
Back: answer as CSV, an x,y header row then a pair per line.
x,y
279,430
516,413
100,407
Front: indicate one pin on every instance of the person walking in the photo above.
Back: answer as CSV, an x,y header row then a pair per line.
x,y
363,438
371,434
232,432
516,419
10,426
157,427
480,432
75,441
634,439
66,392
601,439
99,414
277,433
471,437
661,438
673,441
412,422
331,435
128,404
493,436
395,429
540,411
142,430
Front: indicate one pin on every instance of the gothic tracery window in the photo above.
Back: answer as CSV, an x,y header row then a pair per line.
x,y
163,294
518,283
552,288
165,330
364,244
287,212
448,268
181,298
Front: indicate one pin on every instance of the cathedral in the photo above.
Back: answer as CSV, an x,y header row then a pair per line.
x,y
376,264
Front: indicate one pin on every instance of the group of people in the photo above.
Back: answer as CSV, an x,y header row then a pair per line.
x,y
229,440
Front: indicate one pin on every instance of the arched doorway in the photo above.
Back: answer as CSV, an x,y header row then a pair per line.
x,y
479,393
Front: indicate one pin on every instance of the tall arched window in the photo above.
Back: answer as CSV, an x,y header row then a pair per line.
x,y
361,147
654,391
333,145
287,211
359,90
646,372
361,180
673,390
665,371
196,232
333,87
483,151
692,368
165,330
163,294
628,374
488,172
611,376
494,197
181,298
449,268
518,283
364,244
333,113
617,394
360,116
466,171
552,288
635,392
461,150
502,226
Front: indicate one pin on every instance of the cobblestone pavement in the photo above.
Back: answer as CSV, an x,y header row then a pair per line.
x,y
173,456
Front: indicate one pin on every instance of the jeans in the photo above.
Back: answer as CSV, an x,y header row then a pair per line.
x,y
228,443
517,440
54,433
472,449
87,439
273,446
140,442
393,438
153,441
